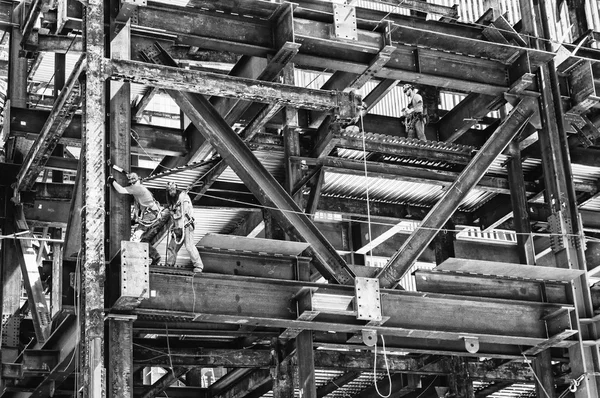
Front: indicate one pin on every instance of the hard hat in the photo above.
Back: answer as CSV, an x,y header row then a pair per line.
x,y
133,177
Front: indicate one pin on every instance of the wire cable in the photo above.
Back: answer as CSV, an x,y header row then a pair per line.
x,y
387,368
527,361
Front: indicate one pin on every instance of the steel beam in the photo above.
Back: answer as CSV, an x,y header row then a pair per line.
x,y
404,173
402,147
262,184
119,224
208,83
164,382
443,210
466,114
34,12
266,302
60,117
120,353
63,340
40,312
94,183
326,359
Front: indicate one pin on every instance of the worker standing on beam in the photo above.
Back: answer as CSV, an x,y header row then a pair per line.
x,y
148,213
182,232
414,113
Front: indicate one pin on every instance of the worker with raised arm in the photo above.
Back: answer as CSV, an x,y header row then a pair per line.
x,y
148,213
182,231
414,113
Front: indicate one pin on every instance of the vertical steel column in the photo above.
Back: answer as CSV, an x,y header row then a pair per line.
x,y
94,148
304,340
282,373
11,278
120,342
60,77
583,358
518,198
10,274
516,181
17,70
119,225
17,77
120,353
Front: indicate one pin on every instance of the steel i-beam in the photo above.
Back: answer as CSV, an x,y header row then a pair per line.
x,y
262,184
94,148
62,113
414,246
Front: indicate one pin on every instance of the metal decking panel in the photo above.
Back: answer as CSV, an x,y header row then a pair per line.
x,y
394,191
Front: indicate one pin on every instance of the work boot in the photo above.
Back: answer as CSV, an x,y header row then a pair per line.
x,y
198,267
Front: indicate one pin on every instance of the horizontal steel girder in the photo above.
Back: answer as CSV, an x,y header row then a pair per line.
x,y
271,303
208,83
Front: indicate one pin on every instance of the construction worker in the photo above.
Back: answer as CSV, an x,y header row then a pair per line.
x,y
182,232
414,113
148,213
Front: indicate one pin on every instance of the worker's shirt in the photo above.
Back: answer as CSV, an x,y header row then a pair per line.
x,y
143,196
417,103
182,208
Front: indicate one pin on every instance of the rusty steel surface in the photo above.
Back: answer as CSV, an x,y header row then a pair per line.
x,y
94,147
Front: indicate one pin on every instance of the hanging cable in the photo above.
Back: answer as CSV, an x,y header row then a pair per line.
x,y
387,368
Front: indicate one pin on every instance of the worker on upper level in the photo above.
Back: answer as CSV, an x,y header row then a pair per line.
x,y
148,213
182,231
414,113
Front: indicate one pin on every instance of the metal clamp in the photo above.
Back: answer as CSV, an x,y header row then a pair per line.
x,y
576,382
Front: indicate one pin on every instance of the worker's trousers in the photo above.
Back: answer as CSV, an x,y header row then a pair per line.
x,y
416,124
150,231
177,240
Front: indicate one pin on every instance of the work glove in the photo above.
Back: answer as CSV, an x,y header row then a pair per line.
x,y
110,180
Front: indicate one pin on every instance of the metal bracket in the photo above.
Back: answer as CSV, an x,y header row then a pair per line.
x,y
471,344
369,337
344,22
559,227
135,272
368,302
